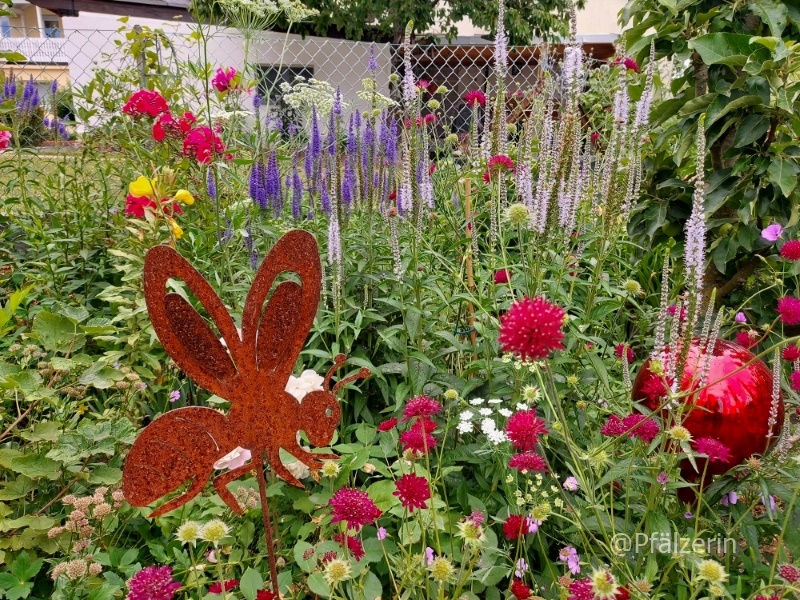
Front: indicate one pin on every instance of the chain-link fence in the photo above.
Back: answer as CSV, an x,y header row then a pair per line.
x,y
73,62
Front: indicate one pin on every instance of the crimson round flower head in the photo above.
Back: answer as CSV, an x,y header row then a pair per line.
x,y
523,430
528,461
621,349
421,406
152,583
531,328
714,449
791,353
475,98
629,63
520,590
145,102
791,250
789,310
640,426
388,425
516,527
499,163
789,573
746,339
419,438
794,381
265,595
501,276
353,544
230,584
413,491
354,507
613,427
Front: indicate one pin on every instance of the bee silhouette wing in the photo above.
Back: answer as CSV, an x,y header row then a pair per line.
x,y
185,335
273,335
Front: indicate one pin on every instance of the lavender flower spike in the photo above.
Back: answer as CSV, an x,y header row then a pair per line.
x,y
409,85
501,42
373,63
695,248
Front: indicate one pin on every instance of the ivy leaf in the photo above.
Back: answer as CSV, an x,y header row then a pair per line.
x,y
783,173
731,49
772,13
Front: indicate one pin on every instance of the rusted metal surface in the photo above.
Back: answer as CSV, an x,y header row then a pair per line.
x,y
182,445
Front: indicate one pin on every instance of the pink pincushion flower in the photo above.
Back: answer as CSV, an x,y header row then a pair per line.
x,y
353,544
413,491
621,349
500,163
794,381
791,250
225,80
501,276
354,507
789,310
145,102
531,328
421,406
629,63
523,430
789,573
388,425
746,339
475,98
5,139
642,427
419,438
791,353
714,449
516,527
153,583
613,427
528,461
216,588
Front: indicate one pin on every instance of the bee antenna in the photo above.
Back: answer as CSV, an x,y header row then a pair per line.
x,y
364,373
338,361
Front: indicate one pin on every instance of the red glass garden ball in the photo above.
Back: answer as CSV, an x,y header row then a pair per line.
x,y
734,408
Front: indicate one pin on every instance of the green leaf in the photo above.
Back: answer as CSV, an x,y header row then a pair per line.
x,y
13,57
36,466
772,13
318,585
57,333
21,486
250,584
76,314
751,129
783,173
300,550
730,49
105,475
25,568
11,306
101,376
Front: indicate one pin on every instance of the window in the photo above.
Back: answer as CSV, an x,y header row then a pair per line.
x,y
5,27
52,27
270,79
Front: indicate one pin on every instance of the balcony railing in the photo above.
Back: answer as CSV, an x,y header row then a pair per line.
x,y
38,50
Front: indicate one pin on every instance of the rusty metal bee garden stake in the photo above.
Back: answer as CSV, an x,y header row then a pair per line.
x,y
250,370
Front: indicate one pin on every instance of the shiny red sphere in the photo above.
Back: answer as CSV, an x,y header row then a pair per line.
x,y
734,408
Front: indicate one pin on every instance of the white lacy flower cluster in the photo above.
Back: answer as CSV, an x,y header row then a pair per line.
x,y
370,94
486,416
246,13
304,95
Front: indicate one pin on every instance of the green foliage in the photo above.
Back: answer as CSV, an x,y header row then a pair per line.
x,y
737,62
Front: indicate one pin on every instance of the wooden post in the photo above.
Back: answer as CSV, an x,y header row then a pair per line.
x,y
473,335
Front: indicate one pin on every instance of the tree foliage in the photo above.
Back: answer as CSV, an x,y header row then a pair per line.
x,y
385,20
739,63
